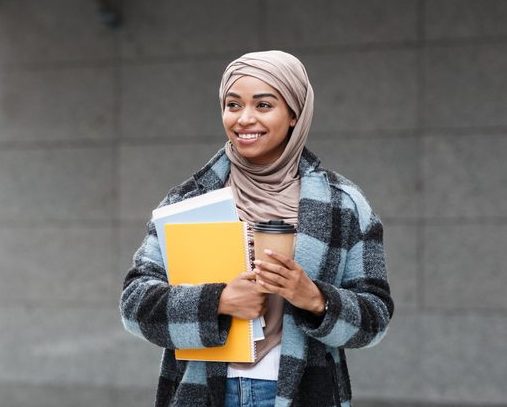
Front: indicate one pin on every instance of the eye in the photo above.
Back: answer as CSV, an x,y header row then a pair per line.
x,y
264,105
231,105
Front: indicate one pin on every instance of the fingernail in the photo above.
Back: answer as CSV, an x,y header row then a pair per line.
x,y
268,252
257,262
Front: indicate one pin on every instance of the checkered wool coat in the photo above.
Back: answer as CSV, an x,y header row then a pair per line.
x,y
339,245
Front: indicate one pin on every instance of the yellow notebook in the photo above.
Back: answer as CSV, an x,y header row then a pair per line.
x,y
199,253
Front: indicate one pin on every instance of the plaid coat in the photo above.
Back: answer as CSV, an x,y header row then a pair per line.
x,y
339,245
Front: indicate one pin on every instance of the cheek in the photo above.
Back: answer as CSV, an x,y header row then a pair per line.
x,y
227,120
280,119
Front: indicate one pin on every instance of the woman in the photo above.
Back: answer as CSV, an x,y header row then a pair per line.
x,y
333,295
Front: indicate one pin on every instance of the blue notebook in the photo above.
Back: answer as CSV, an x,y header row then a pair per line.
x,y
215,206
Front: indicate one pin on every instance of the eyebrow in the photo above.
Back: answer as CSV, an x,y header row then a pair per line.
x,y
257,96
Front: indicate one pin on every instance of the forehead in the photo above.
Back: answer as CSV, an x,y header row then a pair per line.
x,y
248,86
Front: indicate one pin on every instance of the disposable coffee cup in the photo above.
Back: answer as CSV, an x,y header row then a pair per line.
x,y
275,235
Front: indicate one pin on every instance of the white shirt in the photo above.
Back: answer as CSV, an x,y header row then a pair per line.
x,y
266,369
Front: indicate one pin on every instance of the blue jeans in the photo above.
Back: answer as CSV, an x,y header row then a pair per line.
x,y
245,392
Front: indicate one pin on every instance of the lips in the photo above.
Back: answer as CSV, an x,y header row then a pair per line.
x,y
249,135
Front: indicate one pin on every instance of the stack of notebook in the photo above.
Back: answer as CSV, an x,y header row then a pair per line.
x,y
203,241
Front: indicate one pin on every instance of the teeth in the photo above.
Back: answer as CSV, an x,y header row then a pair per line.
x,y
249,136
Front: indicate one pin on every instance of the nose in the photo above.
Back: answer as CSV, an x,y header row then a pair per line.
x,y
246,117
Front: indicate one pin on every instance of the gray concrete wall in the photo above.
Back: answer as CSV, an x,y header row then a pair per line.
x,y
96,125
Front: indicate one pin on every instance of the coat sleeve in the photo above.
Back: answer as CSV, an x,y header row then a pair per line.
x,y
359,302
169,316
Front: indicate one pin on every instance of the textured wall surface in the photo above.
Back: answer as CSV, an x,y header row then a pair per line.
x,y
97,124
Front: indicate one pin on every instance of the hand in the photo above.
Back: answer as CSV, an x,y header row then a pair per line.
x,y
240,298
289,280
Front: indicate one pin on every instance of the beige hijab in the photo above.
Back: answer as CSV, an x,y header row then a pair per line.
x,y
271,191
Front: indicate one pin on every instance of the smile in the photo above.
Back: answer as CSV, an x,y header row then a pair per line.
x,y
249,136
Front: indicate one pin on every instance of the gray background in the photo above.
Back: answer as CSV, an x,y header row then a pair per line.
x,y
96,125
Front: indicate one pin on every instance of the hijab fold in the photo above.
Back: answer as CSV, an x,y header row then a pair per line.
x,y
264,192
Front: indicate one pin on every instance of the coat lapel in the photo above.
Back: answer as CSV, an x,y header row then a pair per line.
x,y
314,225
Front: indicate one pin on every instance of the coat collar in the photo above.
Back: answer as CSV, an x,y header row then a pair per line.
x,y
214,174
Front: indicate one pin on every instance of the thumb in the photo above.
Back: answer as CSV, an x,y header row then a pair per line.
x,y
247,275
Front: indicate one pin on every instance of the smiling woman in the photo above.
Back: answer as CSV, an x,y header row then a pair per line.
x,y
334,294
257,120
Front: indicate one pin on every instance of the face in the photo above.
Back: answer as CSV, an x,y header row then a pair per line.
x,y
257,120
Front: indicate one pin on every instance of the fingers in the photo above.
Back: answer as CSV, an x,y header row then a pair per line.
x,y
247,275
242,299
285,260
271,274
285,278
271,267
271,288
271,278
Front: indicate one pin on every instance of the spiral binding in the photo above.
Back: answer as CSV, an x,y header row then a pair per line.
x,y
250,257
